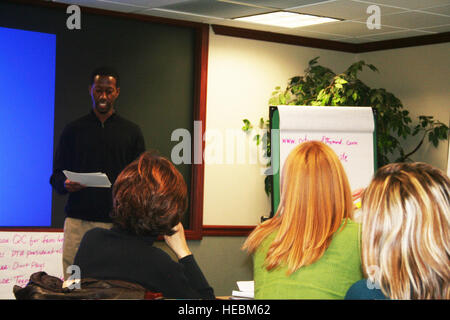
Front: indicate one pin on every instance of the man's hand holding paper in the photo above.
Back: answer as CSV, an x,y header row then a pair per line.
x,y
73,186
77,181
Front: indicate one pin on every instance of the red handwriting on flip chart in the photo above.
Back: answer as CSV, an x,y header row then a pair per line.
x,y
4,267
48,240
37,265
19,239
325,139
303,139
21,279
4,240
288,141
343,157
33,241
18,265
331,141
40,252
4,281
17,253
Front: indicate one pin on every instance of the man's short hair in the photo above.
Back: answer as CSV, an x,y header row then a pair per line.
x,y
149,196
106,71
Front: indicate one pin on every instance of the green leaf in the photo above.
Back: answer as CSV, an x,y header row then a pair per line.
x,y
247,125
257,139
261,123
372,67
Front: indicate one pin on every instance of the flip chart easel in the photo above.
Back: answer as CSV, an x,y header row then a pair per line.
x,y
349,131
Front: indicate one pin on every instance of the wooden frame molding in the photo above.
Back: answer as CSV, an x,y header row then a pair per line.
x,y
331,45
198,170
404,42
227,231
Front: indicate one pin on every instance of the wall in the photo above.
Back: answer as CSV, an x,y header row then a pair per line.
x,y
221,260
243,73
241,77
419,77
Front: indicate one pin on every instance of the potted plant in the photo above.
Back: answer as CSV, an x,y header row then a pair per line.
x,y
320,86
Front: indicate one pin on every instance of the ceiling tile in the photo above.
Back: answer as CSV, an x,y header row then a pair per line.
x,y
179,16
215,8
279,4
439,29
440,10
414,20
112,6
348,28
343,9
146,3
409,4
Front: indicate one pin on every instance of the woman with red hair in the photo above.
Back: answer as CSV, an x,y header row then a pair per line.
x,y
310,248
149,199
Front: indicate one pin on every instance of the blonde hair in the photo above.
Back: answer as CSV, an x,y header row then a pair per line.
x,y
405,231
315,198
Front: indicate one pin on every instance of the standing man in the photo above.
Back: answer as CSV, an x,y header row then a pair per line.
x,y
101,141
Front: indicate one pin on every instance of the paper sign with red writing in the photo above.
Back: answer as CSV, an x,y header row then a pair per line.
x,y
24,253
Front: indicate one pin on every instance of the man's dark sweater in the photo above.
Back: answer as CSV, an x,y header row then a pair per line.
x,y
87,145
116,255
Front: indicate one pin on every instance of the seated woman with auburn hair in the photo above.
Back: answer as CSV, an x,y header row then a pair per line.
x,y
405,234
149,199
310,248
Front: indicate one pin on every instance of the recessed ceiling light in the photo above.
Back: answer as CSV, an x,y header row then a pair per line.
x,y
286,19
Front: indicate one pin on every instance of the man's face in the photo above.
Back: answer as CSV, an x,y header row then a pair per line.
x,y
104,93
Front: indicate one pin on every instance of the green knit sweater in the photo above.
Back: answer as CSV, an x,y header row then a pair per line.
x,y
327,278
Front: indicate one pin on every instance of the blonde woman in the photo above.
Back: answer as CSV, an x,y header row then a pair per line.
x,y
310,248
405,234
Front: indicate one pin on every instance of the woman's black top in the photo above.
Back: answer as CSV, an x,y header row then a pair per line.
x,y
115,254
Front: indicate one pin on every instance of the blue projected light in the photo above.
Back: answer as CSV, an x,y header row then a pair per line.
x,y
27,94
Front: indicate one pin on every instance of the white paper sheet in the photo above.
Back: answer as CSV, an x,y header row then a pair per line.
x,y
347,130
246,290
246,285
91,179
24,253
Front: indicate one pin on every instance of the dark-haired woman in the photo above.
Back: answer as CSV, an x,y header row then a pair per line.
x,y
149,199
